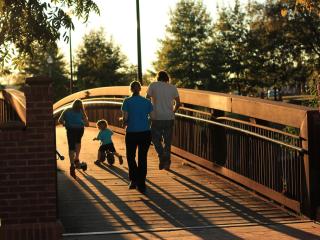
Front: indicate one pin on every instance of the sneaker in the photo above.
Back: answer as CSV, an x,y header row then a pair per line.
x,y
132,185
120,160
77,163
73,172
166,165
161,166
161,163
142,188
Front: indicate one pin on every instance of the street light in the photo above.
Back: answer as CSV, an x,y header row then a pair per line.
x,y
71,71
69,13
139,43
50,61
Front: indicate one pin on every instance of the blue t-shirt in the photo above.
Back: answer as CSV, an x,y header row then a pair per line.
x,y
105,136
73,119
138,109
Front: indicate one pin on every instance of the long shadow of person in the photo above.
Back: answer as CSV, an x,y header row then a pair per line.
x,y
245,212
171,212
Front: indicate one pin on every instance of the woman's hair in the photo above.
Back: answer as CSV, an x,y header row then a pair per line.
x,y
135,87
163,76
102,122
77,105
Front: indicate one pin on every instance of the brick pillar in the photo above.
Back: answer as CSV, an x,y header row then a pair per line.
x,y
28,185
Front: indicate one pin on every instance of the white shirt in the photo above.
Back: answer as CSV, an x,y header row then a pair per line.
x,y
162,96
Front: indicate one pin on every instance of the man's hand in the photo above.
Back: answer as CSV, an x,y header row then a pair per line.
x,y
123,122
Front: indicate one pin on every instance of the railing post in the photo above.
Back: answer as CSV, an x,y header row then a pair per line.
x,y
309,133
219,141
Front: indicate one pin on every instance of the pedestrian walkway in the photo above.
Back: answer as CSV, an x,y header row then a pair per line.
x,y
183,203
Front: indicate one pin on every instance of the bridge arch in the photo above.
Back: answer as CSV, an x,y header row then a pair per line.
x,y
241,138
244,139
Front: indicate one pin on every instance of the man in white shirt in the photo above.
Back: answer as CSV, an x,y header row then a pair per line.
x,y
166,101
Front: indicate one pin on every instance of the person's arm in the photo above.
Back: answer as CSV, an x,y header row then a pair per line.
x,y
124,118
177,104
97,137
149,92
85,119
61,119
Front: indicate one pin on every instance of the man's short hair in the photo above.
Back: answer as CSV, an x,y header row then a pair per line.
x,y
163,76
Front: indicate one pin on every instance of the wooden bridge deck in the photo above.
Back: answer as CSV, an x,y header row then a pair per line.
x,y
181,203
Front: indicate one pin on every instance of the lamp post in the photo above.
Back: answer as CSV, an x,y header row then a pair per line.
x,y
71,70
139,43
50,61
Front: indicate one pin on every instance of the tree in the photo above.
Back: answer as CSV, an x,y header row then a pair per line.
x,y
231,32
38,64
100,62
286,42
182,50
25,22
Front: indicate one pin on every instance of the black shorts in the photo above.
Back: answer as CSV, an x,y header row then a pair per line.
x,y
107,147
74,136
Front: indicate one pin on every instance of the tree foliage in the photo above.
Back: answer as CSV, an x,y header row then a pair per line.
x,y
249,48
231,32
25,22
182,49
100,62
39,64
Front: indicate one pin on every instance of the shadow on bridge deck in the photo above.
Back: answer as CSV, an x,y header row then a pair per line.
x,y
181,203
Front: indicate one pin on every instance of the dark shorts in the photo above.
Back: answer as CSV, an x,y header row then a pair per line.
x,y
74,136
107,147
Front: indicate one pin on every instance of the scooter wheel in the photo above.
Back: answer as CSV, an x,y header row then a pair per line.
x,y
84,166
110,158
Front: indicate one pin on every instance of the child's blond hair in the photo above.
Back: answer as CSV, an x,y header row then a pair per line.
x,y
102,122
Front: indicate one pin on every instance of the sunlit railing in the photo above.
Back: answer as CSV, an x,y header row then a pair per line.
x,y
12,111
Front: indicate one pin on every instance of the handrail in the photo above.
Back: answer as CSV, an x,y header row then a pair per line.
x,y
301,150
272,111
17,100
260,126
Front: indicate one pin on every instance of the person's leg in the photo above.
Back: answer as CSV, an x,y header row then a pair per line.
x,y
99,155
113,151
143,147
71,146
156,133
78,149
78,136
131,146
120,157
167,140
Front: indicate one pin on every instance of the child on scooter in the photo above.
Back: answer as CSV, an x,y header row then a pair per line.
x,y
106,144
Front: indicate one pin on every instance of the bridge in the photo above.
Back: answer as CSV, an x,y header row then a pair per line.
x,y
242,168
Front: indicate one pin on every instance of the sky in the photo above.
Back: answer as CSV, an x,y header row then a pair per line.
x,y
118,18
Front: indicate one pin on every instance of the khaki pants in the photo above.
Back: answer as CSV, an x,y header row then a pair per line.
x,y
162,131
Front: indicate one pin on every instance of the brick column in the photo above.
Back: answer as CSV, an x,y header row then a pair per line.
x,y
28,185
